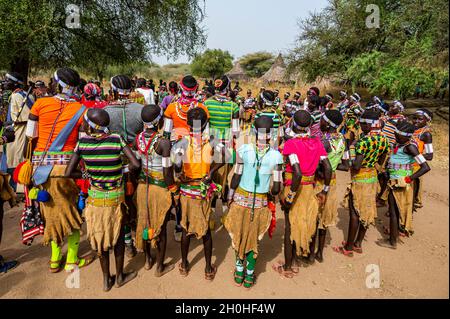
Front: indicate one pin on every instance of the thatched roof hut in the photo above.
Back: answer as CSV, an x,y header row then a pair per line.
x,y
277,72
237,73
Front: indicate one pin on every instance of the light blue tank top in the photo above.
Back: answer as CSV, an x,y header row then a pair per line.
x,y
400,164
268,164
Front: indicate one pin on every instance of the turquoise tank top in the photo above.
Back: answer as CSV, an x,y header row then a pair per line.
x,y
400,164
268,164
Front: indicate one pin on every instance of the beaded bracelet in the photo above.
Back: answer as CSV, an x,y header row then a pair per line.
x,y
290,197
174,189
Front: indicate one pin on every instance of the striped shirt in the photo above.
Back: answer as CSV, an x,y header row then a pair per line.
x,y
273,115
221,112
315,125
390,126
102,157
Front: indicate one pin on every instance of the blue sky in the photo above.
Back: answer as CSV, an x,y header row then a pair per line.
x,y
245,26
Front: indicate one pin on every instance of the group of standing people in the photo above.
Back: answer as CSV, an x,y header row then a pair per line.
x,y
125,166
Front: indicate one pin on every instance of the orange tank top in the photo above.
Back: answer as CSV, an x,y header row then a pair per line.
x,y
198,160
417,135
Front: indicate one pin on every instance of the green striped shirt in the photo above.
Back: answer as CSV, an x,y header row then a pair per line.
x,y
221,112
102,157
273,115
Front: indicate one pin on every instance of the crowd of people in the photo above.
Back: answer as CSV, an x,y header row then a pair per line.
x,y
127,162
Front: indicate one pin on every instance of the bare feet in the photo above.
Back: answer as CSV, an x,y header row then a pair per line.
x,y
108,283
164,270
130,251
148,263
319,257
386,243
125,278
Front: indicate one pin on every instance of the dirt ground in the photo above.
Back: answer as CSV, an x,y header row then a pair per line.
x,y
419,268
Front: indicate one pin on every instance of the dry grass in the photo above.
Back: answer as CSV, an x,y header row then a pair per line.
x,y
440,126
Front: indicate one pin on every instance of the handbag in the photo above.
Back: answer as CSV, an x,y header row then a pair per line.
x,y
25,169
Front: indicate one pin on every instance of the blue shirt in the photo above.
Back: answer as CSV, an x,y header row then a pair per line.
x,y
269,163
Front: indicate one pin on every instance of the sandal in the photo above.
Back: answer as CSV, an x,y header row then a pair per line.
x,y
249,281
87,261
386,231
343,251
356,249
59,265
238,279
184,272
211,275
279,268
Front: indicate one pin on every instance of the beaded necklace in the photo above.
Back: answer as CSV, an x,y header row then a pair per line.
x,y
181,113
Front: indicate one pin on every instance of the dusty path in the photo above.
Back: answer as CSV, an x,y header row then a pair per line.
x,y
419,268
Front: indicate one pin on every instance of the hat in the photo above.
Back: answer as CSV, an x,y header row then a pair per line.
x,y
189,83
222,84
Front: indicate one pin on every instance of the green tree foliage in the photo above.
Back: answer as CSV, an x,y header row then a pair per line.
x,y
35,33
256,64
212,63
409,48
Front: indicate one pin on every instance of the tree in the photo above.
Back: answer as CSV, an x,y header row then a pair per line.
x,y
212,63
256,64
35,32
410,47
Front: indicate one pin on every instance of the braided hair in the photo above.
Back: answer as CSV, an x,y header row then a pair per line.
x,y
334,116
122,82
405,126
69,77
302,118
197,114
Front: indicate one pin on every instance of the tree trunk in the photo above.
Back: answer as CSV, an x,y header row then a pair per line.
x,y
21,65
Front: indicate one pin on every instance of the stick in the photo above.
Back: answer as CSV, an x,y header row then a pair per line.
x,y
23,104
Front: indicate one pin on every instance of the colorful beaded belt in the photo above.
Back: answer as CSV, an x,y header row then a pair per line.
x,y
51,158
399,173
306,180
333,180
245,199
152,181
395,166
366,175
191,191
102,198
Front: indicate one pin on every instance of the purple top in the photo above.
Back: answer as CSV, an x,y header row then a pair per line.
x,y
166,101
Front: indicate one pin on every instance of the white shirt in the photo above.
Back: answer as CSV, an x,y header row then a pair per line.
x,y
148,94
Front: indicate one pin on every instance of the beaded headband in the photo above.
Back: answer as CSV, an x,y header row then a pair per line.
x,y
9,76
95,126
328,121
419,112
118,90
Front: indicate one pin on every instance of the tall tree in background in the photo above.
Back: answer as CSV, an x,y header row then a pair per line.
x,y
41,32
409,48
256,64
212,63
